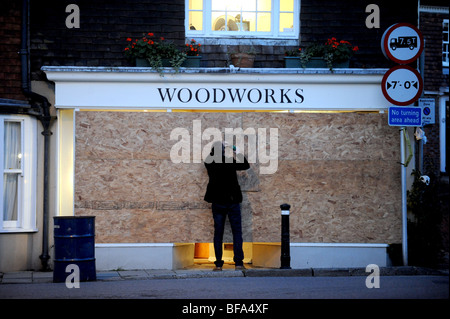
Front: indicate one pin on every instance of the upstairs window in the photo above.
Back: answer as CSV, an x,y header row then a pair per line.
x,y
242,18
445,43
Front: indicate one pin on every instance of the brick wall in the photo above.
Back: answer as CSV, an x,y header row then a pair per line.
x,y
431,27
434,79
346,20
10,31
106,24
431,150
104,27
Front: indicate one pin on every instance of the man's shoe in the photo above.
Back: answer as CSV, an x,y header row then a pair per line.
x,y
217,268
239,267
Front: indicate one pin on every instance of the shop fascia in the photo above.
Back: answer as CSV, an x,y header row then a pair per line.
x,y
217,89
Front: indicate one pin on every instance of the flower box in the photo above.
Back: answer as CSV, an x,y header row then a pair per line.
x,y
316,63
142,63
192,62
331,54
292,62
342,65
151,52
319,63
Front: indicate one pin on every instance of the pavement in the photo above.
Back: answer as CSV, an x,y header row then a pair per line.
x,y
205,271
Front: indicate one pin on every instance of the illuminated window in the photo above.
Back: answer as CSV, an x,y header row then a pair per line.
x,y
251,18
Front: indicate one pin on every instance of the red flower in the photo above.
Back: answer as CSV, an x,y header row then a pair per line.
x,y
150,34
129,39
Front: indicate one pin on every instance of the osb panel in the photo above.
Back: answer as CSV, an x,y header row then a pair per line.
x,y
149,225
324,136
334,201
138,135
139,180
339,172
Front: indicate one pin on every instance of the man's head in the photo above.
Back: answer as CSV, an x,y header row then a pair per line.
x,y
217,148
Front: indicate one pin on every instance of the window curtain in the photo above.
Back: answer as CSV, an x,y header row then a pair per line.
x,y
12,166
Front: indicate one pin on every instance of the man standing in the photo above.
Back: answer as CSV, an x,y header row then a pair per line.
x,y
224,192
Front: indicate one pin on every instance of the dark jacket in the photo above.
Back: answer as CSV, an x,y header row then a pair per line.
x,y
223,186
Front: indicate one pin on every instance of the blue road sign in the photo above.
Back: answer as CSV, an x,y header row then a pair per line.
x,y
405,116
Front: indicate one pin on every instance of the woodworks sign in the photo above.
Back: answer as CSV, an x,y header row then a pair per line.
x,y
234,96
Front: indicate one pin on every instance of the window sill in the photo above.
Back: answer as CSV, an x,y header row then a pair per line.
x,y
67,73
240,40
18,230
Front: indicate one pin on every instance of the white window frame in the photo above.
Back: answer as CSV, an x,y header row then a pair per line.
x,y
26,215
274,34
445,62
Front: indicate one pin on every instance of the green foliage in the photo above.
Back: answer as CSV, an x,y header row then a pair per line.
x,y
332,51
424,239
155,51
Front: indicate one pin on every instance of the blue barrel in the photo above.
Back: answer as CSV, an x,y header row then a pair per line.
x,y
74,244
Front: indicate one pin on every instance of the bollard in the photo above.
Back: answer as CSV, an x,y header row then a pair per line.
x,y
285,242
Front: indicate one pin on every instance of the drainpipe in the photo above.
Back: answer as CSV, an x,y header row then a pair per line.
x,y
40,104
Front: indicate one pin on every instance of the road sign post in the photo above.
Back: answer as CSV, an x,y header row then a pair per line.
x,y
402,85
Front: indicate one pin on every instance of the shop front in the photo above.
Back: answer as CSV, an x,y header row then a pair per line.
x,y
130,145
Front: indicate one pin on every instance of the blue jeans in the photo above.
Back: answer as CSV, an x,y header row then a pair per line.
x,y
220,213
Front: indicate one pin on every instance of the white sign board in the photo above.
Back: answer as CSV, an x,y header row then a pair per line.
x,y
402,43
428,111
126,88
402,85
